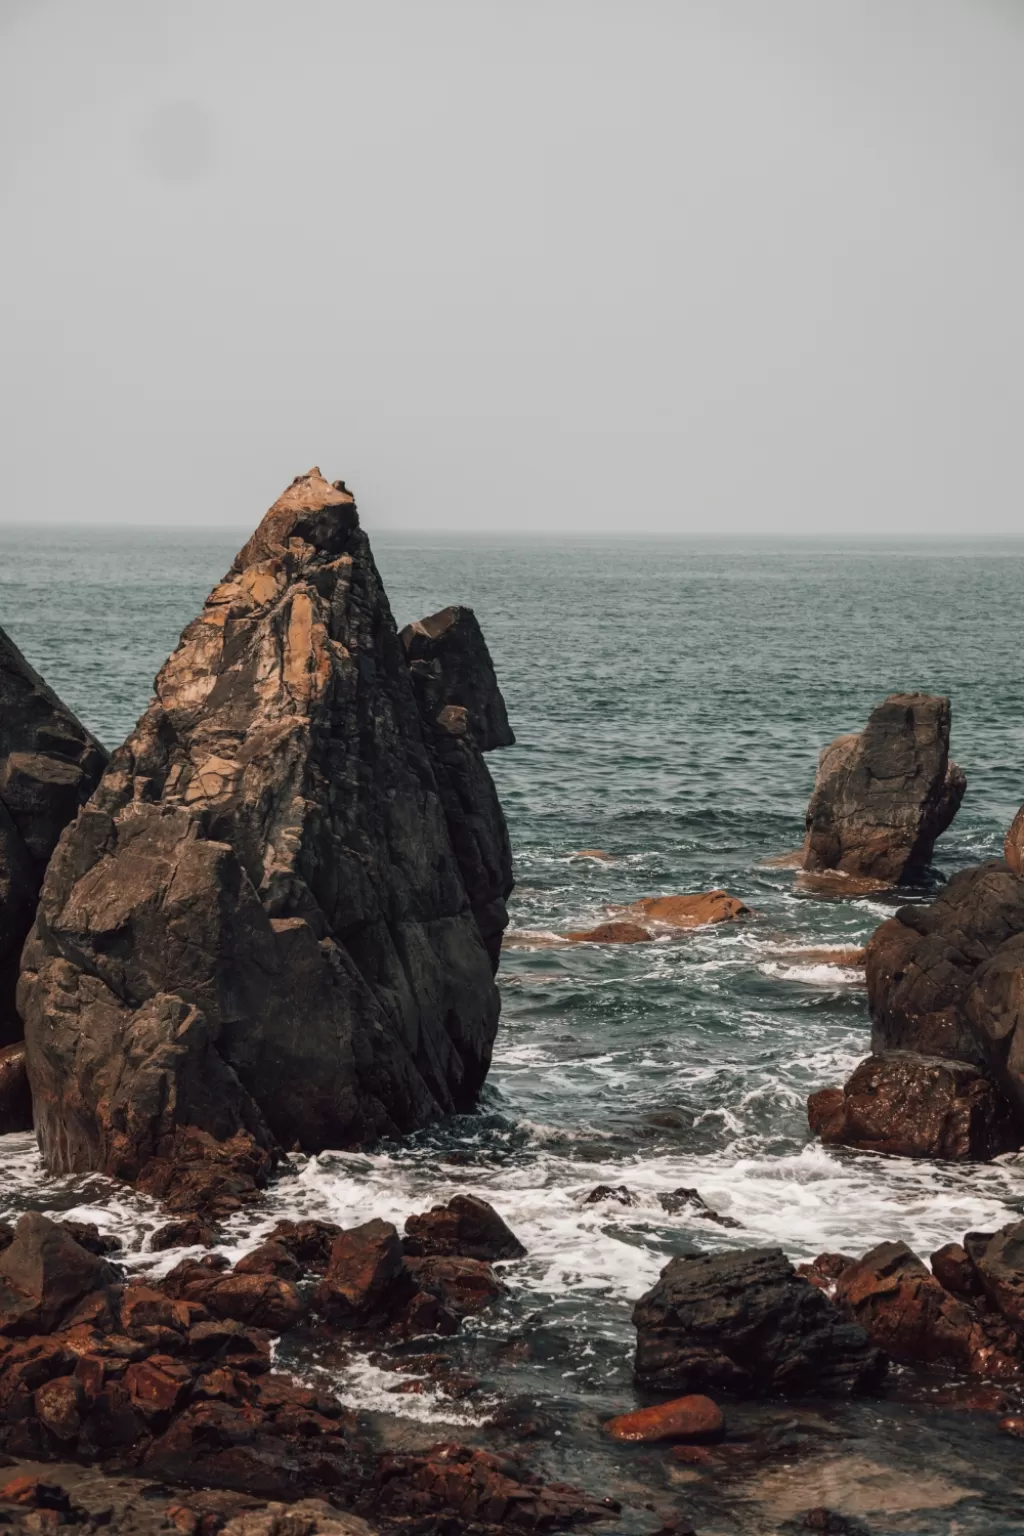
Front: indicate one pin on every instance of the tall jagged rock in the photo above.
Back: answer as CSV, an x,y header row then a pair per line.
x,y
49,766
882,797
280,912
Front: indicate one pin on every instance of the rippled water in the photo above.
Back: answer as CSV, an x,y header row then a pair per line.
x,y
669,700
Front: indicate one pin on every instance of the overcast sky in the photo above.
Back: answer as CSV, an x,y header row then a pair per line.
x,y
698,266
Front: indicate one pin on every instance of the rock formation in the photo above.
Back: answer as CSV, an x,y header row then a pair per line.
x,y
882,797
744,1321
280,914
15,1097
49,766
451,669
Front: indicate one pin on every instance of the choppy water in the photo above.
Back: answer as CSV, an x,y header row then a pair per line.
x,y
669,700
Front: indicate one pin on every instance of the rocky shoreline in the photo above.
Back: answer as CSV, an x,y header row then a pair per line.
x,y
271,928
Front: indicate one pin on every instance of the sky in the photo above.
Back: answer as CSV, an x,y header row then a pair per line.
x,y
532,266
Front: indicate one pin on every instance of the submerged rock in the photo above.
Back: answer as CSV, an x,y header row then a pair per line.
x,y
883,796
910,1105
49,766
697,911
744,1321
693,1418
467,1227
15,1095
280,914
611,933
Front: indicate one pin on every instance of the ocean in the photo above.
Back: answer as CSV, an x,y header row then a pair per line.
x,y
669,700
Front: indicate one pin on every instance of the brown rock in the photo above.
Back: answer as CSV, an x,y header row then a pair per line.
x,y
43,1274
15,1096
683,1199
49,766
467,1227
617,1194
882,797
207,1178
463,1286
286,834
1012,1425
189,1232
366,1277
259,1300
916,1106
483,1488
270,1258
1000,1271
690,911
692,1418
157,1387
1013,846
955,1271
611,933
58,1405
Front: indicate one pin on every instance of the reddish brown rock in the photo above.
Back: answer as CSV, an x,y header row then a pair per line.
x,y
1013,845
485,1489
366,1277
189,1232
909,1105
270,1258
463,1286
308,1241
695,911
467,1227
157,1387
43,1274
693,1418
15,1096
611,933
955,1271
206,1178
881,798
999,1266
287,833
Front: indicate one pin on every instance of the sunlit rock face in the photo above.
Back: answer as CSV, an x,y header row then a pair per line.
x,y
281,911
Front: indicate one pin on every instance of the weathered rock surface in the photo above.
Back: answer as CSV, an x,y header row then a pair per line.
x,y
744,1321
696,911
452,670
882,797
467,1227
693,1418
910,1105
15,1095
49,766
279,915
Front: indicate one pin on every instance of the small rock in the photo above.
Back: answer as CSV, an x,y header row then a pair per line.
x,y
189,1232
693,1418
467,1227
682,1199
611,933
618,1193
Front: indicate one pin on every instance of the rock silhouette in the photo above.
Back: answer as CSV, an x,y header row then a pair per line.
x,y
49,766
279,916
882,797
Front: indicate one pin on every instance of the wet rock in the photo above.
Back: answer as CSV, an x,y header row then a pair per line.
x,y
450,662
745,1321
1013,844
43,1274
999,1266
15,1095
830,1523
955,1271
88,1236
467,1227
611,933
284,834
270,1258
307,1517
911,1105
881,798
463,1286
695,911
683,1199
597,854
206,1178
692,1418
617,1194
49,766
189,1232
309,1242
486,1490
367,1279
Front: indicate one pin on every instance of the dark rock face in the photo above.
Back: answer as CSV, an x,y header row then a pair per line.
x,y
947,979
916,1106
744,1321
466,1227
452,669
279,916
49,766
882,797
43,1273
15,1097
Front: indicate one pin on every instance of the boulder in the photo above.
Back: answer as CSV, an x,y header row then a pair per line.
x,y
43,1274
366,1279
284,836
49,766
611,933
744,1321
462,1286
999,1265
947,978
696,911
693,1418
452,669
909,1105
309,1241
467,1227
15,1095
881,798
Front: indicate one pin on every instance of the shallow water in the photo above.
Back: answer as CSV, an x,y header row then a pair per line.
x,y
669,701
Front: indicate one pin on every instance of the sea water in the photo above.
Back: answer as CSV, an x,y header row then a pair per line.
x,y
669,700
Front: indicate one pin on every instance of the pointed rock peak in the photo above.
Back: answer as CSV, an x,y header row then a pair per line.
x,y
311,509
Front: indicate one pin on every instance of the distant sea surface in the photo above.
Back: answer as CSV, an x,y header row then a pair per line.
x,y
669,699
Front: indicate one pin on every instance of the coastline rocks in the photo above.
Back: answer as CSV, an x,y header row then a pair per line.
x,y
611,933
366,1279
44,1274
910,1105
466,1227
49,766
452,669
15,1094
694,1419
883,796
744,1321
281,838
697,911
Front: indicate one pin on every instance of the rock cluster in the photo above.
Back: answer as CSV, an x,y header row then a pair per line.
x,y
278,917
966,1312
49,766
883,796
744,1321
